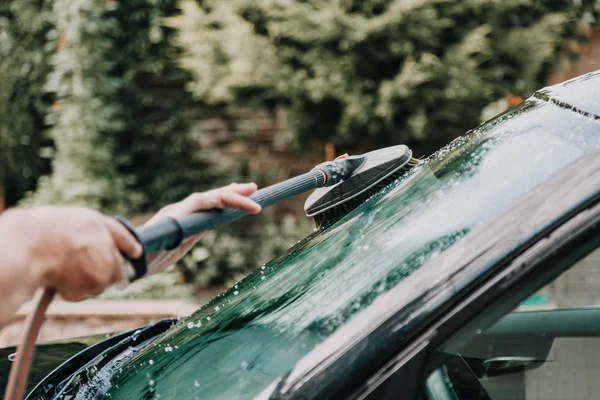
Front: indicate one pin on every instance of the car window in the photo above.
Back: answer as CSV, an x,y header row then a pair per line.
x,y
256,331
546,348
577,287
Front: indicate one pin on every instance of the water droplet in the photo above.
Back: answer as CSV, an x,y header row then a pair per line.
x,y
151,362
217,308
236,286
190,325
168,349
208,318
478,331
198,324
263,267
196,383
262,277
244,364
236,293
151,382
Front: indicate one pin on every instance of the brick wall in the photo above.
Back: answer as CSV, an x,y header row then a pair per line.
x,y
253,144
67,320
589,58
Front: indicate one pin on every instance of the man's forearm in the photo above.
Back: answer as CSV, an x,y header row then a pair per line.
x,y
20,271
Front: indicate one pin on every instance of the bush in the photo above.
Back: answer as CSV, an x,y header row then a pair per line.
x,y
94,88
375,71
23,99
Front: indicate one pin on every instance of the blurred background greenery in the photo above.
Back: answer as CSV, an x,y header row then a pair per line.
x,y
126,106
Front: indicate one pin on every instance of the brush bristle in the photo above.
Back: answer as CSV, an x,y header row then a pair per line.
x,y
337,212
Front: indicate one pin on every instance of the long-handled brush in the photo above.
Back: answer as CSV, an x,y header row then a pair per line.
x,y
341,185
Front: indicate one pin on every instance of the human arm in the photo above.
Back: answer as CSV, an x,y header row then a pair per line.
x,y
232,196
74,250
78,251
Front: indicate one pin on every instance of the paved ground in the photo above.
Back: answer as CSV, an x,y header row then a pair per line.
x,y
66,320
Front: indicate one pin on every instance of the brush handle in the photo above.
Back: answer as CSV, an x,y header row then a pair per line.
x,y
168,234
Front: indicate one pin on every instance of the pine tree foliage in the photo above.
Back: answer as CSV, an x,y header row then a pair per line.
x,y
83,171
155,146
120,120
23,101
382,71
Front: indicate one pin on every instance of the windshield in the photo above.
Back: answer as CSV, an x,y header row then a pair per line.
x,y
255,332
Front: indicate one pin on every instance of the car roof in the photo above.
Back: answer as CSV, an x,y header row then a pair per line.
x,y
385,325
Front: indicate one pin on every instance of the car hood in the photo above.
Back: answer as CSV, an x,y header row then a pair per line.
x,y
48,356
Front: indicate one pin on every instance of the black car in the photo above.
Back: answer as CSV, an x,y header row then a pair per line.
x,y
475,275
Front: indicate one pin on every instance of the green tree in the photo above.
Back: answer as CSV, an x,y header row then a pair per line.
x,y
83,115
155,146
23,100
120,122
375,71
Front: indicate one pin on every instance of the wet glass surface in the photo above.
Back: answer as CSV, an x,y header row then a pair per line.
x,y
581,92
255,332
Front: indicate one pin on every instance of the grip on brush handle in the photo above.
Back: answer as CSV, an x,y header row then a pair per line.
x,y
168,234
137,267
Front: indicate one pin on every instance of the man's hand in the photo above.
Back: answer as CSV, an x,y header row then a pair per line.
x,y
232,196
74,250
71,249
78,251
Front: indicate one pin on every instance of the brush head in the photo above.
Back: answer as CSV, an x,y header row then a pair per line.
x,y
378,170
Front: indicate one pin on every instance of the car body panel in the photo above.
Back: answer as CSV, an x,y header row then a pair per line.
x,y
84,364
49,356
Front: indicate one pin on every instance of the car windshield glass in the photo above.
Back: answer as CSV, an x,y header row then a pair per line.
x,y
255,332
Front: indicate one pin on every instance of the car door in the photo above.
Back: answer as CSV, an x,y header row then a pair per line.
x,y
530,332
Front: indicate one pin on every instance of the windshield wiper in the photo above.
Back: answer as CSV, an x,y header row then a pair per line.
x,y
71,375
